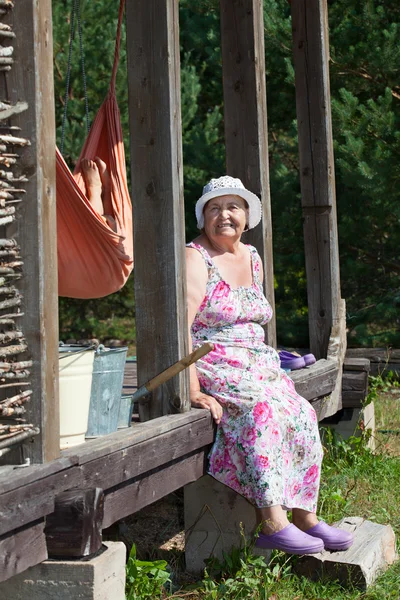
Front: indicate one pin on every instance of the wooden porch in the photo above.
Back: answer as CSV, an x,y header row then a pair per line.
x,y
168,448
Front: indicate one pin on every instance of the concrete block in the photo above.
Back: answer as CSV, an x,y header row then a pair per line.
x,y
373,550
348,424
99,578
214,515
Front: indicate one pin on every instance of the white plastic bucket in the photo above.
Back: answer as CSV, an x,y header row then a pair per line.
x,y
75,371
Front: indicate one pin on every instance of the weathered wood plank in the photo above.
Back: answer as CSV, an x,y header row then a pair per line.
x,y
119,467
34,500
142,491
134,435
375,354
157,193
373,550
355,388
317,380
245,118
12,478
31,79
74,528
22,549
356,364
310,49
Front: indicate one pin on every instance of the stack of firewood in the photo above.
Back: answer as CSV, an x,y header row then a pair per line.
x,y
14,369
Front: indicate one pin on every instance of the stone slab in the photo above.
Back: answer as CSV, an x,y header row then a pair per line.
x,y
214,518
99,578
373,551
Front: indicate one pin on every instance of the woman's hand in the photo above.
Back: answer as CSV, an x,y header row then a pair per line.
x,y
200,400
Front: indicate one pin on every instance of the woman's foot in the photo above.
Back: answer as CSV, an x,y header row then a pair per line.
x,y
304,519
93,183
106,185
291,540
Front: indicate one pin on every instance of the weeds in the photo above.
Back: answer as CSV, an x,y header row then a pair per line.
x,y
145,580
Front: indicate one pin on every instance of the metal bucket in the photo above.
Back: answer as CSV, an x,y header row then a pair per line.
x,y
75,380
125,411
105,396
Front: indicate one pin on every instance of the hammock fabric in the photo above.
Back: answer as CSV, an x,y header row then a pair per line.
x,y
94,260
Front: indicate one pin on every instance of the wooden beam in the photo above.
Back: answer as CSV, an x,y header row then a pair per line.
x,y
34,500
118,467
31,80
22,549
317,175
157,192
74,528
142,491
245,116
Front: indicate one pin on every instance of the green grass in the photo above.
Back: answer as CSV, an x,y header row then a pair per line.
x,y
355,482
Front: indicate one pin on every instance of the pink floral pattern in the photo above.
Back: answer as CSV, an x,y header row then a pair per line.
x,y
267,446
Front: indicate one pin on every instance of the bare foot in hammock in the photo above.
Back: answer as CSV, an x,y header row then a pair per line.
x,y
93,183
98,188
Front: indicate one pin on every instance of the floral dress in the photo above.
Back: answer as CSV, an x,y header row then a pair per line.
x,y
267,446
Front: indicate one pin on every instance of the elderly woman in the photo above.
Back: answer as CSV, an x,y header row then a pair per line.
x,y
267,446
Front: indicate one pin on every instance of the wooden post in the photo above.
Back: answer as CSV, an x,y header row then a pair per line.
x,y
245,114
31,80
317,176
74,529
157,193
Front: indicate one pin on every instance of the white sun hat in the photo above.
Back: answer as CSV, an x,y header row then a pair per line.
x,y
224,186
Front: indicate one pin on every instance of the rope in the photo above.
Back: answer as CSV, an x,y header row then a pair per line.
x,y
117,47
75,10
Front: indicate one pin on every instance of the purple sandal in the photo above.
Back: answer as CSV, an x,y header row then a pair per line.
x,y
332,537
290,539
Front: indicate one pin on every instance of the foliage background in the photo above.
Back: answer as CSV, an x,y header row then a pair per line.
x,y
365,87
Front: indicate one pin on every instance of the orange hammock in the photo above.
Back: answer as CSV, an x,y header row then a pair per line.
x,y
94,260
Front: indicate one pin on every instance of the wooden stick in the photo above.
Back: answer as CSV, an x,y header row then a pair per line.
x,y
7,34
7,211
12,316
14,375
9,252
5,338
10,302
6,51
14,384
16,400
10,139
13,350
8,243
21,437
15,366
172,371
11,428
11,412
8,291
5,160
12,264
6,220
4,322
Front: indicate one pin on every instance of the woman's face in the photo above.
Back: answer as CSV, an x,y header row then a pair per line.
x,y
225,216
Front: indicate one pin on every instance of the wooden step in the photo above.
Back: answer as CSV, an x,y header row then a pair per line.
x,y
373,551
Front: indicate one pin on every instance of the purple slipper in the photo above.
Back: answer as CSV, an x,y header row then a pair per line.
x,y
291,540
288,359
332,537
296,362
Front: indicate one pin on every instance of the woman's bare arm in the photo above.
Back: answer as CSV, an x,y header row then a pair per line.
x,y
197,276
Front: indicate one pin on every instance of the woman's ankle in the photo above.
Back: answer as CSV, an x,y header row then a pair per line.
x,y
304,519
